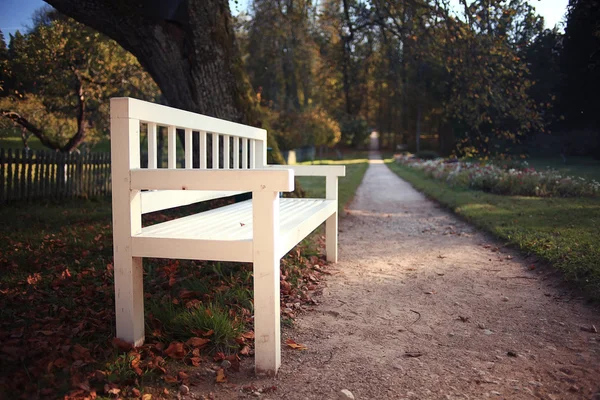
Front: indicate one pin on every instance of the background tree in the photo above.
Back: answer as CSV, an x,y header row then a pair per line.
x,y
61,77
580,67
187,46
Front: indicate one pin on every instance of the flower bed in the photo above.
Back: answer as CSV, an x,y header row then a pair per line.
x,y
519,180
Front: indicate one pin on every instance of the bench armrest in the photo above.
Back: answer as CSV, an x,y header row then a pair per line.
x,y
313,170
243,180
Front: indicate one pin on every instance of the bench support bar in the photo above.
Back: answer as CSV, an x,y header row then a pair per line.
x,y
331,224
129,298
127,221
267,331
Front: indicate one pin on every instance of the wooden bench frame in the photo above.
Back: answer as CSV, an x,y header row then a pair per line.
x,y
273,225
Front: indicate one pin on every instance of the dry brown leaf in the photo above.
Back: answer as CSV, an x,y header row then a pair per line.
x,y
245,351
170,379
295,345
193,304
121,344
196,361
147,396
221,378
248,335
197,342
175,350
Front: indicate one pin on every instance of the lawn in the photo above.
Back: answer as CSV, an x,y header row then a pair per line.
x,y
57,304
11,139
585,167
564,232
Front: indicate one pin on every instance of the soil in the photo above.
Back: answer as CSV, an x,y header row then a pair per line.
x,y
423,306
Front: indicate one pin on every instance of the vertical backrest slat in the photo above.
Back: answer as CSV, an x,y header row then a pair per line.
x,y
152,152
188,148
236,152
226,152
244,153
261,153
252,153
202,151
172,147
215,151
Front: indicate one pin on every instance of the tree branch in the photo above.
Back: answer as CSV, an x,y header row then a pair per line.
x,y
37,132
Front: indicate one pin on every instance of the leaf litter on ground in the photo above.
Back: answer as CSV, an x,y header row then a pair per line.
x,y
57,309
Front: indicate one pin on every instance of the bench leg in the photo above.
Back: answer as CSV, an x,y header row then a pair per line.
x,y
331,238
129,298
267,330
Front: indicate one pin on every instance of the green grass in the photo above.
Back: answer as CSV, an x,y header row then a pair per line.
x,y
585,167
562,232
11,139
356,166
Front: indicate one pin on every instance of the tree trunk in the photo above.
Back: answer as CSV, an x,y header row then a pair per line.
x,y
191,54
187,46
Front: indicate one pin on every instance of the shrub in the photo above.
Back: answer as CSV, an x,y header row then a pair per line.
x,y
427,155
310,127
503,180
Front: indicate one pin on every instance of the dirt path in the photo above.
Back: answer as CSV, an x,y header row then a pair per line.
x,y
426,307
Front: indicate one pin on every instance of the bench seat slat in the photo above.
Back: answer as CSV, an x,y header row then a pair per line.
x,y
225,233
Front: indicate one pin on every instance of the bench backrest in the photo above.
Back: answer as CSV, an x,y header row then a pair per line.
x,y
232,146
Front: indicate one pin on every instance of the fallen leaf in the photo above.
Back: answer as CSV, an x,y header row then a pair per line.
x,y
221,378
196,361
295,345
197,342
413,354
245,351
148,396
175,350
248,335
193,304
209,333
121,344
183,376
170,379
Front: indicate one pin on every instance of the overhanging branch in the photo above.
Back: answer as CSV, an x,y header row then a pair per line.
x,y
37,132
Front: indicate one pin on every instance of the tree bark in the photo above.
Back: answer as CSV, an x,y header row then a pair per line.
x,y
187,46
191,53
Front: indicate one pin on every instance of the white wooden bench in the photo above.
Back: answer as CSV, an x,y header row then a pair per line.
x,y
260,230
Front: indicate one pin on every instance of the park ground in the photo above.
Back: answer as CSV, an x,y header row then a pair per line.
x,y
421,305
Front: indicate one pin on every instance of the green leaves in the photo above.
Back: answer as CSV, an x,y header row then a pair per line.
x,y
61,75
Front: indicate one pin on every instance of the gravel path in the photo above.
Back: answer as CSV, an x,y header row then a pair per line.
x,y
423,306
